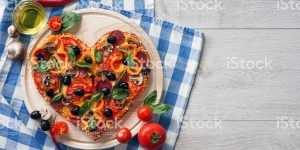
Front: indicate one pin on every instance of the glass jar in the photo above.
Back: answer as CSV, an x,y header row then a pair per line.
x,y
29,17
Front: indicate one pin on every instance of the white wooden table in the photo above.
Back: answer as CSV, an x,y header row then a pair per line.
x,y
250,102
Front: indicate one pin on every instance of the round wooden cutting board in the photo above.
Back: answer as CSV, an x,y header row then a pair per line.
x,y
94,24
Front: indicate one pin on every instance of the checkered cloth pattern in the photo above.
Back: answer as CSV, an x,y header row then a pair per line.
x,y
179,49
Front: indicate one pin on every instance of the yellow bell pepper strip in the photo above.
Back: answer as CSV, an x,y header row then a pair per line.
x,y
137,68
117,61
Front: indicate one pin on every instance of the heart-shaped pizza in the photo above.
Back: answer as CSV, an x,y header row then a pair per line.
x,y
91,86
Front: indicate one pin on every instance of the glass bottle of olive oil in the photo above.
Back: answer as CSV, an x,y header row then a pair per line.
x,y
29,17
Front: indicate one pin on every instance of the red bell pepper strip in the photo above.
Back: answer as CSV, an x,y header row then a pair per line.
x,y
80,84
53,3
52,133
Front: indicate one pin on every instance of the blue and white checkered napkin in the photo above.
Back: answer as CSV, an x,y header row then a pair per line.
x,y
179,49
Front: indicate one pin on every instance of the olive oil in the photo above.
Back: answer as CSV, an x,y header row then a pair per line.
x,y
29,17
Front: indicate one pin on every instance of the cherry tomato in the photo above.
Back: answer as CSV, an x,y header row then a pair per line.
x,y
55,23
123,135
144,113
60,128
152,136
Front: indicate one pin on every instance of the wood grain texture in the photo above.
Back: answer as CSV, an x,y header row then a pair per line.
x,y
248,94
229,13
244,135
248,101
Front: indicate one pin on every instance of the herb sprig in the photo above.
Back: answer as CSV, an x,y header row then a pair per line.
x,y
87,104
69,20
98,55
129,59
159,108
43,66
114,86
72,56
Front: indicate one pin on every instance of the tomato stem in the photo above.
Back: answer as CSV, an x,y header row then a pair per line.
x,y
155,138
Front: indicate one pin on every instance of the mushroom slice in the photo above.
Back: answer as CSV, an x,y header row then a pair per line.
x,y
50,46
137,80
46,79
45,113
66,101
73,72
120,104
107,49
131,41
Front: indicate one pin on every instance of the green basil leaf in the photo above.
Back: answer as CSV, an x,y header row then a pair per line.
x,y
69,20
98,56
71,54
150,99
84,107
43,66
92,125
82,64
130,61
97,97
120,94
57,98
116,83
160,108
87,104
120,79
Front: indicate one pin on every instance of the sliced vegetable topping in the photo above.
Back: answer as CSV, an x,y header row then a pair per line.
x,y
55,23
69,20
57,98
66,80
111,76
92,125
42,55
86,105
107,112
98,55
120,94
88,60
105,91
56,64
35,115
50,92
